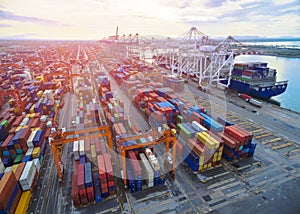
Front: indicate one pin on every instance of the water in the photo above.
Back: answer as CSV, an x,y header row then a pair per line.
x,y
287,69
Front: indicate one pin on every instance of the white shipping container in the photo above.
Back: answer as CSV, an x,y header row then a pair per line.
x,y
75,150
147,169
152,159
7,169
81,147
2,167
37,164
29,152
28,174
30,139
24,121
198,126
43,118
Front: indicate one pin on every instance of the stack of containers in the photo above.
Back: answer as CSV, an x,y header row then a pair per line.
x,y
24,202
102,174
10,193
2,167
75,191
130,177
76,150
154,164
89,182
199,149
238,143
148,173
87,149
81,185
29,176
109,174
137,170
97,187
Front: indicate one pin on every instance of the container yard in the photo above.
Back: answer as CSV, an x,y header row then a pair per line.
x,y
84,131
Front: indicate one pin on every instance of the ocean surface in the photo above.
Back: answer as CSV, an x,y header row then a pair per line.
x,y
287,69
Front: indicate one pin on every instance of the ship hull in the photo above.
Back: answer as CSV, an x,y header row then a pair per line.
x,y
265,92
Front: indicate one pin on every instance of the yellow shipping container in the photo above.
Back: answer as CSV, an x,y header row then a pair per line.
x,y
27,115
219,157
221,149
205,166
215,141
215,159
173,132
93,152
18,128
40,94
215,155
36,152
23,203
200,168
201,160
32,109
209,165
204,139
14,167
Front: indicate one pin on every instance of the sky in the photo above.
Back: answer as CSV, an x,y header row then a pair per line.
x,y
95,19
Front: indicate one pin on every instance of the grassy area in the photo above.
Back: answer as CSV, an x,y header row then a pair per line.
x,y
276,51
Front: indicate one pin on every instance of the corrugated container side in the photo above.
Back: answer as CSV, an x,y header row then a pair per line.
x,y
24,202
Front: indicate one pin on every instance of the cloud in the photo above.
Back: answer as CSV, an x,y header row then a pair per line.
x,y
4,25
6,15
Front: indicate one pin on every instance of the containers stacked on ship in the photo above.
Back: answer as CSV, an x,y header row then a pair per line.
x,y
238,143
137,170
199,149
81,184
103,176
155,166
109,174
10,193
130,177
148,173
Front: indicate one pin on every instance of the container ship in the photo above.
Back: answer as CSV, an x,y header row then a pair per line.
x,y
256,79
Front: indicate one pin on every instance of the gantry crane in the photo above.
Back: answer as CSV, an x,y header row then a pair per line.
x,y
59,138
165,137
16,94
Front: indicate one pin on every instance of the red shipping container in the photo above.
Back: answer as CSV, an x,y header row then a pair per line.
x,y
103,149
80,178
7,140
7,182
42,125
82,196
19,170
75,193
18,121
235,133
135,164
111,183
101,167
192,143
90,194
12,130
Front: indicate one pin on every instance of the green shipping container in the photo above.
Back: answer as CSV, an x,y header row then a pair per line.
x,y
4,122
18,159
